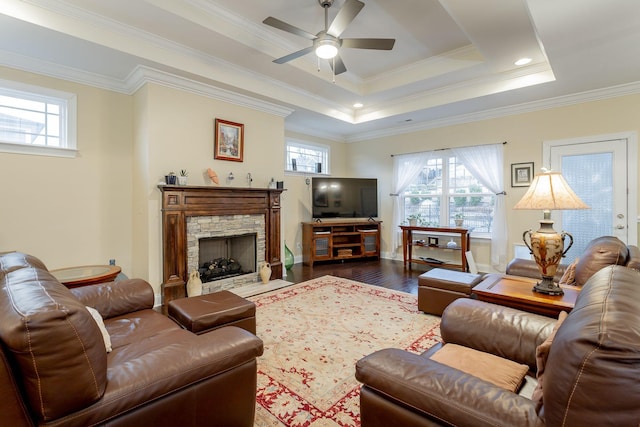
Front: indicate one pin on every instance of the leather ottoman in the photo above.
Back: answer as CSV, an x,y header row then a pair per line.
x,y
437,288
205,313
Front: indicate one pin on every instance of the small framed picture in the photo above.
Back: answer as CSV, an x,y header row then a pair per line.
x,y
521,174
433,241
229,141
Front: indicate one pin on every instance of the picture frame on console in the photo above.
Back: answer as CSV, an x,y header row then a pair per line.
x,y
521,174
228,141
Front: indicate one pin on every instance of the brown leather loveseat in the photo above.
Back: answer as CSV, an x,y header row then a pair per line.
x,y
590,374
55,369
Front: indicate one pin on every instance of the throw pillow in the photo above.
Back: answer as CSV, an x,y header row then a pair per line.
x,y
502,372
105,334
569,276
542,353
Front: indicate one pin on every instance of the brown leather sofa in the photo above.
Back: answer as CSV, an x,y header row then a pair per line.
x,y
590,377
55,369
599,253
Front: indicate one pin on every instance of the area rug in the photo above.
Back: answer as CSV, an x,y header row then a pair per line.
x,y
314,333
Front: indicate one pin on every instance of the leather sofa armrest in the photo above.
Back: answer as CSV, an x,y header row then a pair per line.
x,y
442,392
528,268
503,331
113,299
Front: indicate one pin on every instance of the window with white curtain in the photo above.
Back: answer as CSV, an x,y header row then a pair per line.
x,y
445,190
306,157
35,120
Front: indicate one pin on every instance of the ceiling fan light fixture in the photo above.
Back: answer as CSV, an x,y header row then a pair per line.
x,y
326,49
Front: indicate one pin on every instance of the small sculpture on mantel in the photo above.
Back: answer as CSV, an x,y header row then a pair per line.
x,y
213,176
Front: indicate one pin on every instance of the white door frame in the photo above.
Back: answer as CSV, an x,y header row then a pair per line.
x,y
632,170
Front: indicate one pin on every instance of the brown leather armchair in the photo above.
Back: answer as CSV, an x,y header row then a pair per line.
x,y
599,253
55,369
590,377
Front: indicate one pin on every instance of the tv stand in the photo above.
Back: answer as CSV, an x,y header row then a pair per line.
x,y
333,241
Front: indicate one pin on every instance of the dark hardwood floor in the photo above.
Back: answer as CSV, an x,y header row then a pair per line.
x,y
384,272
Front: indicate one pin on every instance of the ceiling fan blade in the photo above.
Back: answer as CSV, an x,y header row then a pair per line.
x,y
293,55
339,65
344,17
281,25
380,44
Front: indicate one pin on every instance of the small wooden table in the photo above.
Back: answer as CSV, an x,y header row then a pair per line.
x,y
517,292
408,244
74,277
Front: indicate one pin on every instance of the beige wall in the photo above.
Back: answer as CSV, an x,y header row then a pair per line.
x,y
105,203
524,133
73,211
174,130
297,199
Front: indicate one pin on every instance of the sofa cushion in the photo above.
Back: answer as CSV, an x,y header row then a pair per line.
x,y
499,371
51,338
595,355
601,252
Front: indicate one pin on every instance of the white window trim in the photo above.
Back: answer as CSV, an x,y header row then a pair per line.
x,y
312,146
69,131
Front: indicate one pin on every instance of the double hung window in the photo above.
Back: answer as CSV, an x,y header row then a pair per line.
x,y
445,190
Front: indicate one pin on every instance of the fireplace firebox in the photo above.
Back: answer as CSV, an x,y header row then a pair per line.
x,y
229,256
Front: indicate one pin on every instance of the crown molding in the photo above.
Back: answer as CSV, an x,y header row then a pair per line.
x,y
143,75
510,110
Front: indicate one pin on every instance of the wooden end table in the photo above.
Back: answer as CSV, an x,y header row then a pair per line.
x,y
517,292
74,277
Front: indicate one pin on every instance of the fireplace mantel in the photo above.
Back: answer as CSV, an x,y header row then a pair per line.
x,y
181,202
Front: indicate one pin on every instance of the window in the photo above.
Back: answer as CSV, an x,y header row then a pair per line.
x,y
35,120
445,190
307,158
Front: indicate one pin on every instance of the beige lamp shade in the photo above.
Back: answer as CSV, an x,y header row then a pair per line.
x,y
549,191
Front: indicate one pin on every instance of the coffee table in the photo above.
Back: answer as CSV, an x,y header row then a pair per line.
x,y
517,292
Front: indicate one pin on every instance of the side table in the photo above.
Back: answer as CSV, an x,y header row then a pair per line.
x,y
517,292
74,277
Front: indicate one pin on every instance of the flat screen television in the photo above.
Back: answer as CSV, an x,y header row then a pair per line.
x,y
344,197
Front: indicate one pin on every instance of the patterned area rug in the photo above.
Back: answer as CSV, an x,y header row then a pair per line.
x,y
314,333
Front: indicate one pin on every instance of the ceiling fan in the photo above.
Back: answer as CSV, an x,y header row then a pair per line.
x,y
327,42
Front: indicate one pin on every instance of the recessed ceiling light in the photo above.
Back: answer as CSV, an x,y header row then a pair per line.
x,y
523,61
358,105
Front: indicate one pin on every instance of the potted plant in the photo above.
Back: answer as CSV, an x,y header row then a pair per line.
x,y
170,179
459,219
415,219
182,179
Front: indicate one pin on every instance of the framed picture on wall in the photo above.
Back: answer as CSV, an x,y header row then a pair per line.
x,y
228,141
521,174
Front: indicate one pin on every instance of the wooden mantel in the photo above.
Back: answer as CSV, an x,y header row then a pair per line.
x,y
181,202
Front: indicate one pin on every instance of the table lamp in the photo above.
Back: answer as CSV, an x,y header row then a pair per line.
x,y
548,191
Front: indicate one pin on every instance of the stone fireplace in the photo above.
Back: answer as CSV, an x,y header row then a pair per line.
x,y
192,213
240,238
